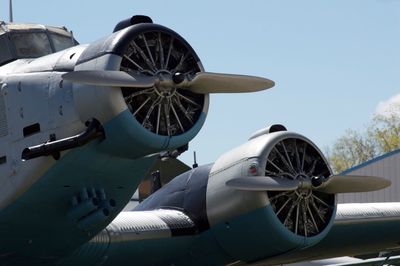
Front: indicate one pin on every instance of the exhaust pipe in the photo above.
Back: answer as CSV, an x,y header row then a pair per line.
x,y
94,130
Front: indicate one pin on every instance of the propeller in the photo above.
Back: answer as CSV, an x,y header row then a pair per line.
x,y
350,183
202,82
332,185
262,183
109,78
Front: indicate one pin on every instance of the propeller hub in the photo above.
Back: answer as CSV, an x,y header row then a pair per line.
x,y
317,181
164,85
178,78
305,187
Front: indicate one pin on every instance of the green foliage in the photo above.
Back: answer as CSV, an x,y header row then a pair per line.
x,y
381,136
385,131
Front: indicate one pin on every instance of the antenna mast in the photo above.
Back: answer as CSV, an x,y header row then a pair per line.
x,y
11,11
195,165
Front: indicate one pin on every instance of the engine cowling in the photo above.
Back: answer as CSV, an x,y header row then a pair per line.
x,y
149,119
269,223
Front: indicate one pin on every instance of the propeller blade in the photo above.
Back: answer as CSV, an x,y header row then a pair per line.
x,y
109,78
262,183
206,82
202,82
352,183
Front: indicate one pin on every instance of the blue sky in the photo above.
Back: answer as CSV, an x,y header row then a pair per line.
x,y
333,61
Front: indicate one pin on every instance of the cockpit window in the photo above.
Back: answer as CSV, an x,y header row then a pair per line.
x,y
31,44
61,42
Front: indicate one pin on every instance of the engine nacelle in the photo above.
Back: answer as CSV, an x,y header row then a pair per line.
x,y
145,120
269,223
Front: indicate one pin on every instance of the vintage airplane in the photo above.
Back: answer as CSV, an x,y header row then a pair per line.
x,y
82,125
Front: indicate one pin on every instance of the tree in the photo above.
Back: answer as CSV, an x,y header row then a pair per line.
x,y
349,150
385,131
381,136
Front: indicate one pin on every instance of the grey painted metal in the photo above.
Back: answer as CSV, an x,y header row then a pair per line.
x,y
224,202
387,166
333,261
263,183
360,219
353,183
3,117
110,101
206,82
349,261
202,82
355,213
53,109
110,78
267,130
132,226
333,185
390,260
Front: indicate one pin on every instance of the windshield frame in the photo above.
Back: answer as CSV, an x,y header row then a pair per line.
x,y
49,36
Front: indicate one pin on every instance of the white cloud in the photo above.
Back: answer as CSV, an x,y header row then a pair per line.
x,y
390,106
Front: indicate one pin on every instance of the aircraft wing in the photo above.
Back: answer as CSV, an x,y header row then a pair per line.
x,y
395,260
169,234
145,236
359,228
350,261
143,225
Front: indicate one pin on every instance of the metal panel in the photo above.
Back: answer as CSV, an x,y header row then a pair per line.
x,y
140,225
387,166
3,117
